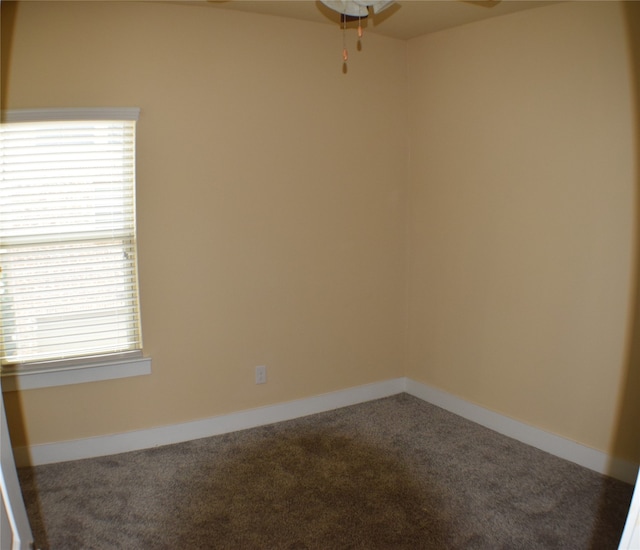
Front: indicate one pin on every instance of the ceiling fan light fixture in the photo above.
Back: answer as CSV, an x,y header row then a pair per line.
x,y
357,8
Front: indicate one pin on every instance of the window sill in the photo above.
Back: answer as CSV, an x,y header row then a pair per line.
x,y
77,374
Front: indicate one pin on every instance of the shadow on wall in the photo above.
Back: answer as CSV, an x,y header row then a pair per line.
x,y
626,443
7,19
626,440
12,400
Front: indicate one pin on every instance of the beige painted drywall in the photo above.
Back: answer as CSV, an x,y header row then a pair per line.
x,y
271,208
277,215
522,199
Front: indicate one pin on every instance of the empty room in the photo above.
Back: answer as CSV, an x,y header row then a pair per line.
x,y
362,281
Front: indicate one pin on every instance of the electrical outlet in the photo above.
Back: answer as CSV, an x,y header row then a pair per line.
x,y
261,374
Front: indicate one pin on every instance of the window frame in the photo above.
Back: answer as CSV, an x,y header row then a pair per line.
x,y
81,369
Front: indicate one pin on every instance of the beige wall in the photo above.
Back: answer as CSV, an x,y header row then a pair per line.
x,y
271,212
278,214
522,195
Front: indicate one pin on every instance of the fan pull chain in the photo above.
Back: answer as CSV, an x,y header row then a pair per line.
x,y
345,53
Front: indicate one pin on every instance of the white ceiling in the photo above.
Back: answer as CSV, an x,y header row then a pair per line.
x,y
406,19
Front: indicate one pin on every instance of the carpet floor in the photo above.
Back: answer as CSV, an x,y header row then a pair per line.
x,y
395,473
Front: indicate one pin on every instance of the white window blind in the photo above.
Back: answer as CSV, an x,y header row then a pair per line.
x,y
68,279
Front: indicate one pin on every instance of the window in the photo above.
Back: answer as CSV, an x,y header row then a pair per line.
x,y
68,259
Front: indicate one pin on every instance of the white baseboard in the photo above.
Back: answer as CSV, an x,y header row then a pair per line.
x,y
165,435
545,441
91,447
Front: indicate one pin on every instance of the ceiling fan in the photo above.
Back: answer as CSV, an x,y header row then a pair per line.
x,y
357,9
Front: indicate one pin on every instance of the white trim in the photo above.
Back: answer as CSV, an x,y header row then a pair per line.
x,y
76,374
13,514
88,113
546,441
165,435
630,539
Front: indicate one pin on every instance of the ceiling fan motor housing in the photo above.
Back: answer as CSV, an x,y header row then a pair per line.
x,y
357,8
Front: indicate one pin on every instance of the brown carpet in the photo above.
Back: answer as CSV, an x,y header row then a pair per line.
x,y
395,473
